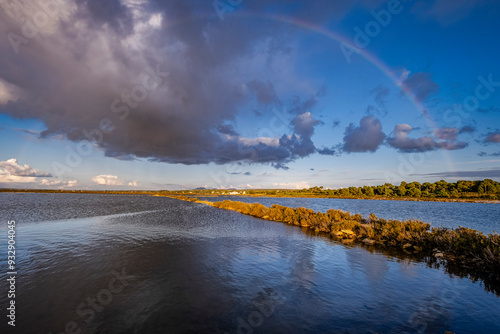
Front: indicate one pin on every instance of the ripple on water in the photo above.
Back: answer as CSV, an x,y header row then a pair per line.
x,y
193,268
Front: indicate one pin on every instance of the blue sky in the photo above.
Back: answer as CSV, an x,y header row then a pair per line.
x,y
149,94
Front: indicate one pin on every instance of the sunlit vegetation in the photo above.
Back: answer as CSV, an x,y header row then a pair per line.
x,y
462,246
185,198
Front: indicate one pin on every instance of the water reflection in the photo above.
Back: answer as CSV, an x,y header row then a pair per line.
x,y
193,268
374,268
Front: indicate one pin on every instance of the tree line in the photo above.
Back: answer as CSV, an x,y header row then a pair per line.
x,y
463,189
486,189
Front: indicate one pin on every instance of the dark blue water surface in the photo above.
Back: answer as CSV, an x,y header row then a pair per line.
x,y
141,264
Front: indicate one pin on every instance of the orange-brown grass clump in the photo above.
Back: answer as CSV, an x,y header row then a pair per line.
x,y
463,245
184,198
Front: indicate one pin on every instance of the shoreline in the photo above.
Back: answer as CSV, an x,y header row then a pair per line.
x,y
192,193
404,199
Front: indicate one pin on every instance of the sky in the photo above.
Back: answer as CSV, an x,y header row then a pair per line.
x,y
150,94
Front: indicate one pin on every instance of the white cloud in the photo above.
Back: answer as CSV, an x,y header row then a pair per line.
x,y
404,74
14,169
108,180
5,177
72,183
8,92
133,184
256,141
61,184
156,20
46,182
249,186
292,185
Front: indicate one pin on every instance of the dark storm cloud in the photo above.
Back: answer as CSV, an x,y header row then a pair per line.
x,y
451,146
447,137
300,106
316,11
109,12
300,144
264,91
447,140
380,94
328,151
493,137
489,109
366,137
467,129
484,173
123,157
403,143
445,11
304,124
226,129
85,65
484,154
421,85
280,166
446,133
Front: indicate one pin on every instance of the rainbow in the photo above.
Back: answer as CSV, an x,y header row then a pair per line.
x,y
363,53
379,64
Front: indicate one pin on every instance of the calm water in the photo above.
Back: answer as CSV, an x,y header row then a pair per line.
x,y
483,217
141,264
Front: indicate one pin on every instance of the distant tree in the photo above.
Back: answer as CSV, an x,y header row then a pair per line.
x,y
443,193
355,191
426,187
461,189
401,191
345,192
441,185
486,186
416,185
368,191
414,192
465,186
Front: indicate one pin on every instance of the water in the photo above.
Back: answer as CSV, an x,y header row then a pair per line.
x,y
484,217
142,264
